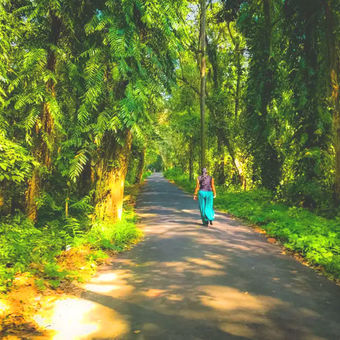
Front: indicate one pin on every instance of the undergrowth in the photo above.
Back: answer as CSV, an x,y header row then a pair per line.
x,y
37,249
316,238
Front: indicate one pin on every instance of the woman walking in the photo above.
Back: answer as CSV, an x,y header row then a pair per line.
x,y
205,187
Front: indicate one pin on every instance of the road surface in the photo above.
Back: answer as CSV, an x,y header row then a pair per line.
x,y
188,281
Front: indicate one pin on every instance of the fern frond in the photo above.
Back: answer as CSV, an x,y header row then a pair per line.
x,y
77,165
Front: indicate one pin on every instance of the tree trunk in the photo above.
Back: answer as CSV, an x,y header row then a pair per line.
x,y
238,80
334,70
220,176
2,201
203,78
267,9
270,167
42,149
191,159
32,194
233,159
237,50
336,128
110,178
141,165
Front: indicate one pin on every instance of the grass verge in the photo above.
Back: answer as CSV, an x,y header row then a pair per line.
x,y
315,238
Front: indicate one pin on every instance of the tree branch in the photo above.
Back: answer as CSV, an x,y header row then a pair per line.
x,y
187,83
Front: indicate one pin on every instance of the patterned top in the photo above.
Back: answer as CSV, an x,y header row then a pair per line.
x,y
205,183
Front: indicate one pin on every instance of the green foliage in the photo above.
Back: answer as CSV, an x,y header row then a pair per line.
x,y
40,284
75,77
106,235
270,121
15,163
313,236
182,179
146,174
54,274
97,255
22,243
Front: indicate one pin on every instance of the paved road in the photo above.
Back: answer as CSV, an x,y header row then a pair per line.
x,y
187,281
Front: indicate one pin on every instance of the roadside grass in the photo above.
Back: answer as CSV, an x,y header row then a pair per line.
x,y
315,238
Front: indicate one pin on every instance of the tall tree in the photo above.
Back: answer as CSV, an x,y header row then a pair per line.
x,y
203,67
131,59
45,124
332,11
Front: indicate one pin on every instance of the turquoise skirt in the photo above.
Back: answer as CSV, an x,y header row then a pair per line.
x,y
205,200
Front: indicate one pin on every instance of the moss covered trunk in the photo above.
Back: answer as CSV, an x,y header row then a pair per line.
x,y
141,164
203,66
191,159
219,165
44,133
334,70
111,171
2,199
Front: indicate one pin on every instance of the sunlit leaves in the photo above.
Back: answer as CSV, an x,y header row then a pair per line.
x,y
77,165
15,164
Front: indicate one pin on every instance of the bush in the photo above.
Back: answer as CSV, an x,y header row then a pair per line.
x,y
23,243
105,235
146,174
176,174
28,247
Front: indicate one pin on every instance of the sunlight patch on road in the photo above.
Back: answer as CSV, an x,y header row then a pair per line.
x,y
118,291
174,297
177,266
216,257
238,329
105,277
242,313
229,299
75,318
97,288
150,329
146,264
206,272
198,266
204,262
237,313
153,292
209,241
112,284
147,215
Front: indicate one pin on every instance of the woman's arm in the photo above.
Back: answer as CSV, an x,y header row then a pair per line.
x,y
196,189
213,187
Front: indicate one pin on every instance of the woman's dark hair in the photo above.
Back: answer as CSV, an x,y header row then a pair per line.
x,y
204,172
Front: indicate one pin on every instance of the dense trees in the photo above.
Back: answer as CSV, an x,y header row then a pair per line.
x,y
332,18
92,93
81,83
203,70
272,96
78,80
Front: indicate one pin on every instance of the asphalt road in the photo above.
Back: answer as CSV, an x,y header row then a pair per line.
x,y
188,281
